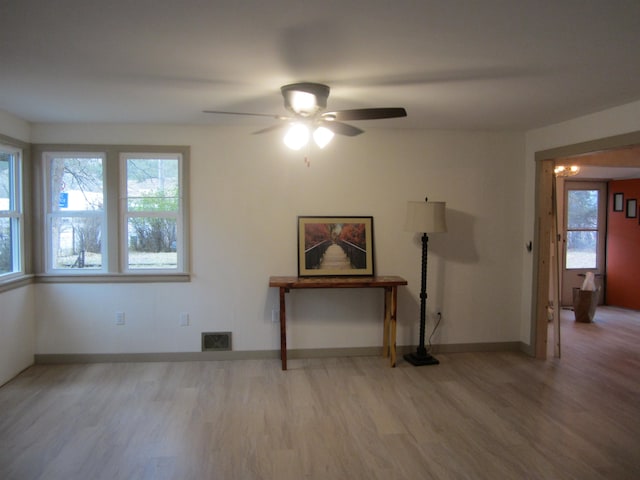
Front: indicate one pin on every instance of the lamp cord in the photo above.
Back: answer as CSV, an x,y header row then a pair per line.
x,y
435,327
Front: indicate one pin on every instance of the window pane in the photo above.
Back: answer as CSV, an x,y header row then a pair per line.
x,y
581,249
10,212
76,241
76,184
152,243
152,184
6,246
5,181
582,209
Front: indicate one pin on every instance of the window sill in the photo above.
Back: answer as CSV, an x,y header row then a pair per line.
x,y
114,278
15,282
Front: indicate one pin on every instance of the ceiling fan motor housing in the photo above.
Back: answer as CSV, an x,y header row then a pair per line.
x,y
305,98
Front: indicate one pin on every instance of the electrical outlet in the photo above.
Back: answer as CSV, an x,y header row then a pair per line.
x,y
184,319
275,315
119,318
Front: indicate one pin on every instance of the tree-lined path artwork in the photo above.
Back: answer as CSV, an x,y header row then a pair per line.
x,y
335,258
335,245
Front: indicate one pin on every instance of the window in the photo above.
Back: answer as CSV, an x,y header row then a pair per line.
x,y
152,211
76,215
11,214
582,228
111,212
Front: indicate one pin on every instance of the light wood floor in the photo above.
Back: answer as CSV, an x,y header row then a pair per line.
x,y
475,416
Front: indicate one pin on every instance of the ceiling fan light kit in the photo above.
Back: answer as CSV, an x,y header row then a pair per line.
x,y
322,136
297,136
306,101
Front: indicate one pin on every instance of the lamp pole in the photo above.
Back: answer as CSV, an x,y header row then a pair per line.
x,y
422,351
421,356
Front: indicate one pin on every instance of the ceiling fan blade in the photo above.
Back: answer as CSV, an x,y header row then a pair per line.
x,y
366,114
277,126
340,128
270,115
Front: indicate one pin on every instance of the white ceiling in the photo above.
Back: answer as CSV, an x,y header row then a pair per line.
x,y
608,173
474,64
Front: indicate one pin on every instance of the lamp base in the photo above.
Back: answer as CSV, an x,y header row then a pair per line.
x,y
420,360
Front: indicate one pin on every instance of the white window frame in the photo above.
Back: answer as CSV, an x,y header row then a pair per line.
x,y
114,231
125,214
15,213
51,214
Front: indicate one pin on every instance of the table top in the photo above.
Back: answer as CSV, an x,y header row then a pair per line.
x,y
337,282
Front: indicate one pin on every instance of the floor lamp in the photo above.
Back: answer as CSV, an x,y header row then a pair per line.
x,y
424,217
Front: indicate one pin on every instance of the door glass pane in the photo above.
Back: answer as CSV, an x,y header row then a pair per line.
x,y
582,209
581,249
582,229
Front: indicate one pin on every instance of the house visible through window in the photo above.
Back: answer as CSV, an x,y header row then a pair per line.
x,y
11,214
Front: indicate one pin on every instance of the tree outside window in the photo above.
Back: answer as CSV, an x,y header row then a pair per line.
x,y
153,209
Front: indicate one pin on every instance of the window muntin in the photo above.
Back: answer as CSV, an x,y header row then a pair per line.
x,y
11,214
152,211
75,211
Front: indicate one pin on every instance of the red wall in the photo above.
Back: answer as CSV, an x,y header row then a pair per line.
x,y
623,249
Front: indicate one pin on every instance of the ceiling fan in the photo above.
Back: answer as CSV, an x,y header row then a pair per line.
x,y
307,103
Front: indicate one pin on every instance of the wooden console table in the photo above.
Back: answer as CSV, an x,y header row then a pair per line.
x,y
388,283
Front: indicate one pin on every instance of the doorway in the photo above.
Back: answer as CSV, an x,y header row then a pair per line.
x,y
622,151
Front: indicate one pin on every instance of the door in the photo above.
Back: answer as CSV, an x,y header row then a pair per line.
x,y
584,235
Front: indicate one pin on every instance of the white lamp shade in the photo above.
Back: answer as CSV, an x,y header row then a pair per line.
x,y
426,217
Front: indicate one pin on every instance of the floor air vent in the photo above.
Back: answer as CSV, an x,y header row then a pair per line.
x,y
216,341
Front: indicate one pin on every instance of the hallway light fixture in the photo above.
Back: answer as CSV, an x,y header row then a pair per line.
x,y
564,171
424,217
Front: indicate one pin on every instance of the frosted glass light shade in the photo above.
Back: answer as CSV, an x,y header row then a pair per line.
x,y
297,136
426,217
322,136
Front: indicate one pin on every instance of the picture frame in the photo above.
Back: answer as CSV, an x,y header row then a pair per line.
x,y
618,202
632,208
335,246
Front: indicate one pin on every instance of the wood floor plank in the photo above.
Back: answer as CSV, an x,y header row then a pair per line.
x,y
476,416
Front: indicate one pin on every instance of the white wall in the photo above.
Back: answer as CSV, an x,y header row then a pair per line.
x,y
246,192
247,189
17,331
17,323
14,127
608,123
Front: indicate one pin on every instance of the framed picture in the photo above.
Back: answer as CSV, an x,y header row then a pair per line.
x,y
618,202
632,208
335,246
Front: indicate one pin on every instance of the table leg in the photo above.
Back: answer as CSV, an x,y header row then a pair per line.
x,y
283,329
387,321
392,334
